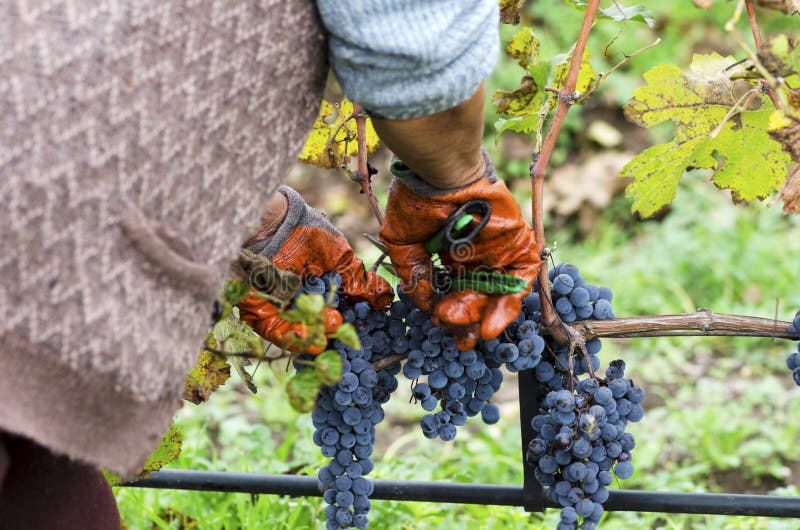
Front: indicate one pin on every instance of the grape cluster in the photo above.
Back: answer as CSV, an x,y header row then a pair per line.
x,y
580,429
580,436
580,439
793,361
348,411
460,384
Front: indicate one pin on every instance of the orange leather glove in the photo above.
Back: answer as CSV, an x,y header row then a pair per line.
x,y
416,211
307,244
263,317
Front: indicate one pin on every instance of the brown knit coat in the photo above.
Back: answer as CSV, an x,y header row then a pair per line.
x,y
138,141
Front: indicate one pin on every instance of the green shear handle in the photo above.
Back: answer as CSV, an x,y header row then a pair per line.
x,y
453,236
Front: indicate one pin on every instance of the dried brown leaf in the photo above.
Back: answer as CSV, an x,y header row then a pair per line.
x,y
509,11
791,196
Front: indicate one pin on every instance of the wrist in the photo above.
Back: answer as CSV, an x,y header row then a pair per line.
x,y
428,187
460,173
275,214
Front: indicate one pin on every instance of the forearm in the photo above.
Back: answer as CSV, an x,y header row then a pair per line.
x,y
442,148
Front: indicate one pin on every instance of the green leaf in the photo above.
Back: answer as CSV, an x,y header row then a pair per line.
x,y
234,336
656,172
307,308
524,47
302,390
541,73
235,291
781,56
328,367
239,364
619,13
697,103
112,478
348,335
529,100
520,124
734,163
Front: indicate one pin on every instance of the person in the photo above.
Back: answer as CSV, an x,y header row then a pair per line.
x,y
139,142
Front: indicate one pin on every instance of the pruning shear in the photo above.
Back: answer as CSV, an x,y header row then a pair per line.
x,y
456,235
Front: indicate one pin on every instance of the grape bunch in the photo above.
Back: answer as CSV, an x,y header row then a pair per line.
x,y
580,427
460,384
348,411
580,440
793,361
580,437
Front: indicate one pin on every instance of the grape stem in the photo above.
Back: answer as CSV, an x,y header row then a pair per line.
x,y
550,319
363,177
702,323
388,361
602,76
751,17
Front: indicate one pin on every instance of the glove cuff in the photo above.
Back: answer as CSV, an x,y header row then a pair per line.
x,y
298,214
422,188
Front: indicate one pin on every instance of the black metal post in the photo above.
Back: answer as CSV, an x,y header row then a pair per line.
x,y
528,388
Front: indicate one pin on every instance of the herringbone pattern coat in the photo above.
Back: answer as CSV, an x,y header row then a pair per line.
x,y
138,141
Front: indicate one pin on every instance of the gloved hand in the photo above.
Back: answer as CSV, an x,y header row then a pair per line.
x,y
307,244
416,211
262,315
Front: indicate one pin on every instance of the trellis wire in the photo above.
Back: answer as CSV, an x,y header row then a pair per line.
x,y
529,496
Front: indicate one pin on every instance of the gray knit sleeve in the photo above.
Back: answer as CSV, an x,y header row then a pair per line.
x,y
409,58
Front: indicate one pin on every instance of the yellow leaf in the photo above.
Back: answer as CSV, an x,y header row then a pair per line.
x,y
738,148
211,371
333,139
586,74
778,120
523,101
524,47
168,450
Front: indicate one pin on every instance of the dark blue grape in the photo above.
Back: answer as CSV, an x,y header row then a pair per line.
x,y
490,413
603,310
563,284
579,297
564,306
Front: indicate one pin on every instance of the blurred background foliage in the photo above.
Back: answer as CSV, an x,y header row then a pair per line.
x,y
721,413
